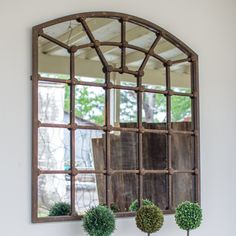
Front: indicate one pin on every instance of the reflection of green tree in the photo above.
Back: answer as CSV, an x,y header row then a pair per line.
x,y
89,103
180,107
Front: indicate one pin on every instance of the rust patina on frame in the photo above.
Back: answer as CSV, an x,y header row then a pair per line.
x,y
139,89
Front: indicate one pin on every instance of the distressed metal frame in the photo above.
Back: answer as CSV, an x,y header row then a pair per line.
x,y
139,89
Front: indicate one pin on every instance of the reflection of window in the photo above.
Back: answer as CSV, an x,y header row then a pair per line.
x,y
113,122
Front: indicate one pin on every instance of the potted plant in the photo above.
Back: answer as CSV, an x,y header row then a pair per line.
x,y
134,205
188,216
149,219
99,221
60,209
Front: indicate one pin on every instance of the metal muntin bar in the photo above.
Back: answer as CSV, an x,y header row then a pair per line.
x,y
93,40
123,44
108,140
150,52
72,132
169,148
53,40
140,141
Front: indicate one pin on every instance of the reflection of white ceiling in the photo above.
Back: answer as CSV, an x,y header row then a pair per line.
x,y
103,29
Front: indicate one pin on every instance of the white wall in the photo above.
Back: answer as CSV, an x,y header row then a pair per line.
x,y
207,26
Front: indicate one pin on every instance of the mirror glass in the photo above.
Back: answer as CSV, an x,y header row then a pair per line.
x,y
117,124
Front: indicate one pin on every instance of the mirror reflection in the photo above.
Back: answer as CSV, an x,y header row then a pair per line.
x,y
91,112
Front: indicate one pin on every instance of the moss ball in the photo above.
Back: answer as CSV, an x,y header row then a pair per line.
x,y
60,209
99,221
188,215
149,219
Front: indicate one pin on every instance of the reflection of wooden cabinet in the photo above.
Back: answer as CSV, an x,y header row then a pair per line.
x,y
124,146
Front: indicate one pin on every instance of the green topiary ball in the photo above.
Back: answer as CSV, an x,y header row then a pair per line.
x,y
149,219
60,209
188,215
145,202
99,221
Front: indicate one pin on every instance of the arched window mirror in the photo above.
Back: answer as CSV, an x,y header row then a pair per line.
x,y
115,115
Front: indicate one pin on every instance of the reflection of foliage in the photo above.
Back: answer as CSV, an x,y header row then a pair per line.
x,y
128,106
153,105
188,215
180,107
89,103
149,219
99,221
134,205
60,209
113,207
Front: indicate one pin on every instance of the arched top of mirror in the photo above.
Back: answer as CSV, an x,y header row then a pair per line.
x,y
111,39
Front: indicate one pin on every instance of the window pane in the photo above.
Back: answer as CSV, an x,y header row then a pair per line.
x,y
88,66
53,60
52,189
123,79
169,51
154,151
124,146
134,59
139,36
182,152
154,111
68,32
90,191
155,188
54,148
154,75
123,108
112,55
181,112
180,76
53,102
104,29
90,149
89,105
183,188
124,190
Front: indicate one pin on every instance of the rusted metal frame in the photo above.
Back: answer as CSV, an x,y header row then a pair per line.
x,y
72,131
131,46
196,125
169,154
112,14
94,41
34,185
123,44
53,40
54,172
150,52
80,171
134,47
111,128
53,80
140,140
108,139
180,61
87,45
102,85
126,70
116,15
